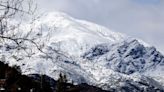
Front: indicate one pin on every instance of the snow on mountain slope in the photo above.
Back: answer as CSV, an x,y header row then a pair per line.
x,y
89,53
126,57
76,36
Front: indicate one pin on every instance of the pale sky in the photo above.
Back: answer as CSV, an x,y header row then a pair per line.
x,y
142,19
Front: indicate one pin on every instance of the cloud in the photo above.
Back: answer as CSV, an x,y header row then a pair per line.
x,y
139,18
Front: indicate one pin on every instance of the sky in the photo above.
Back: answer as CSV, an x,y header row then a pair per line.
x,y
143,19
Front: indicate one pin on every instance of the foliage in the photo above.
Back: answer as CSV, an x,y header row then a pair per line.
x,y
61,83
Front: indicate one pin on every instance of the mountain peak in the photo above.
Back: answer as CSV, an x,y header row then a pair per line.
x,y
77,35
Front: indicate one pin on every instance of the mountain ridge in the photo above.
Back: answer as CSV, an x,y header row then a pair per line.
x,y
92,54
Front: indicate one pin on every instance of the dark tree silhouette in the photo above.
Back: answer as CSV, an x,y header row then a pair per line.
x,y
61,83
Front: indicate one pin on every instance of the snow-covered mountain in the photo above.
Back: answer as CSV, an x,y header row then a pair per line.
x,y
89,53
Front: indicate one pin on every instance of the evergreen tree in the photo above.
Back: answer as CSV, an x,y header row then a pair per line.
x,y
61,83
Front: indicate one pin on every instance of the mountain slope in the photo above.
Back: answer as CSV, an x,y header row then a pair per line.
x,y
92,54
126,57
